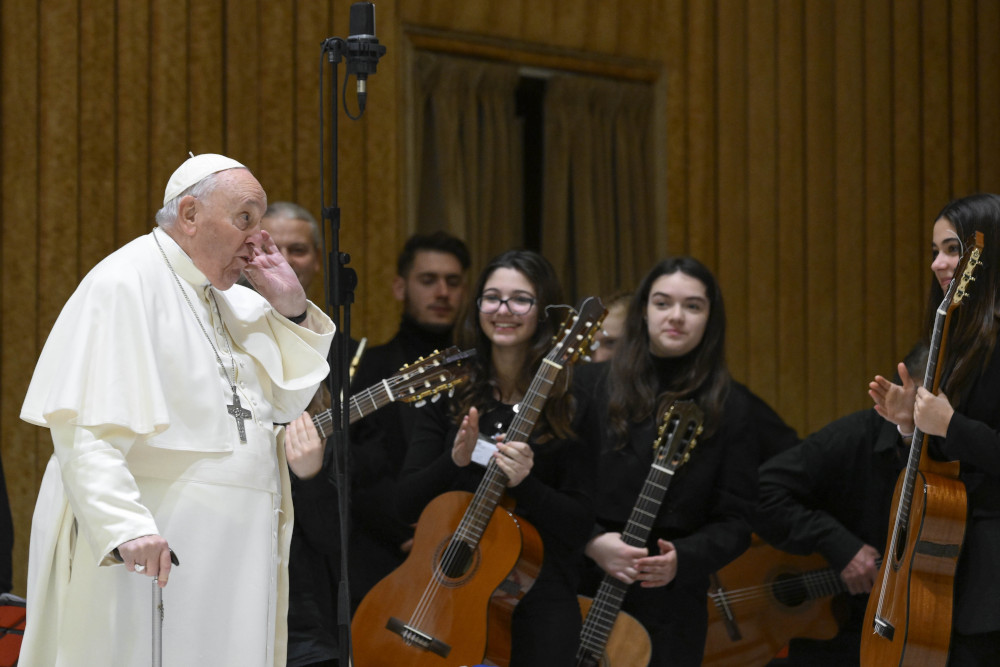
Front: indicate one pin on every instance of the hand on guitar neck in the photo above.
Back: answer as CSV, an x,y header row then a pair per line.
x,y
515,459
630,564
931,413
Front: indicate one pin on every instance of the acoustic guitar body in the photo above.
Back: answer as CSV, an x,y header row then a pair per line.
x,y
916,593
771,603
628,644
444,608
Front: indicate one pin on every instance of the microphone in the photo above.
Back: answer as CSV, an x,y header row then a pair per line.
x,y
363,49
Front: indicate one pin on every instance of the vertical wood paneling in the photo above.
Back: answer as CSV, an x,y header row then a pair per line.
x,y
313,24
731,190
675,163
988,23
907,169
701,109
796,133
136,197
962,53
881,339
206,75
58,150
936,91
168,93
762,202
25,448
821,336
242,56
276,99
791,246
849,379
96,127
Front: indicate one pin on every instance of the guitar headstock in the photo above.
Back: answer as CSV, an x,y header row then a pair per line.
x,y
429,377
964,274
576,333
678,434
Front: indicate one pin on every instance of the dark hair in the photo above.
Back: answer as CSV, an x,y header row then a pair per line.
x,y
439,241
633,388
976,323
548,292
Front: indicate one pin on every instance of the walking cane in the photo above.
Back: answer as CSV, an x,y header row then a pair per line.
x,y
157,624
158,616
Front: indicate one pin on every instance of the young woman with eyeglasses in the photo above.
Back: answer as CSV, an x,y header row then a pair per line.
x,y
511,326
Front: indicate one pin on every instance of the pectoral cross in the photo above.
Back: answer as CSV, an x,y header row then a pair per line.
x,y
240,414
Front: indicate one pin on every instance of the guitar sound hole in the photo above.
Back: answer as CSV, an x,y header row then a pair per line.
x,y
789,590
457,559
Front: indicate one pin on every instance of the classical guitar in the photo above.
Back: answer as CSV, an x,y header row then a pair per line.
x,y
472,560
424,379
611,638
762,599
908,618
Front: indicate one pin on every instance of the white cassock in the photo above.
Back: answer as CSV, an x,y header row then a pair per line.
x,y
137,405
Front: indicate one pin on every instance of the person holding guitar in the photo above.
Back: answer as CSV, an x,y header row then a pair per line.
x,y
550,477
672,348
831,495
963,420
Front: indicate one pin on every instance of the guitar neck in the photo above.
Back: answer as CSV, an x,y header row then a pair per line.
x,y
362,404
494,483
608,601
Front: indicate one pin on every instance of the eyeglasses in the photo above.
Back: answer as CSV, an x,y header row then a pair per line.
x,y
517,305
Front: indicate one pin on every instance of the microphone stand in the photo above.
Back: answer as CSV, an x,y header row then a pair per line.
x,y
340,285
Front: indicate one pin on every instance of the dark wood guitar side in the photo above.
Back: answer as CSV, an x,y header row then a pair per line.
x,y
908,618
472,560
758,602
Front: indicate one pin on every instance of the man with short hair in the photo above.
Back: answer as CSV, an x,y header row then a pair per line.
x,y
297,235
163,386
430,283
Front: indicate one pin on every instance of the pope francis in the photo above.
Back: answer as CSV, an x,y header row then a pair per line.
x,y
163,384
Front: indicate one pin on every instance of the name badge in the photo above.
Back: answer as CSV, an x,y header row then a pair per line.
x,y
484,451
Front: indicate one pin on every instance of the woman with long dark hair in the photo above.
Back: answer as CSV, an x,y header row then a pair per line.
x,y
511,325
964,419
672,349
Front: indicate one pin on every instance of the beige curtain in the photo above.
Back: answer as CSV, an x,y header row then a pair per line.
x,y
598,197
469,151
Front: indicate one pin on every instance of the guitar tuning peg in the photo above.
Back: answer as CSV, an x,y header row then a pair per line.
x,y
435,398
419,404
451,392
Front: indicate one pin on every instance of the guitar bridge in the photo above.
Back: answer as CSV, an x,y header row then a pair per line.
x,y
883,628
414,637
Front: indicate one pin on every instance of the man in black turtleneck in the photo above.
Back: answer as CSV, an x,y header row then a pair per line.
x,y
430,283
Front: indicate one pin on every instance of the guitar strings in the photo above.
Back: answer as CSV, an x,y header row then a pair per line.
x,y
474,514
821,580
324,420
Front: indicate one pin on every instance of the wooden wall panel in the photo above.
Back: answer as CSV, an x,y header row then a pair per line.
x,y
850,331
791,195
25,448
988,88
761,277
806,145
910,249
876,209
136,197
731,261
820,232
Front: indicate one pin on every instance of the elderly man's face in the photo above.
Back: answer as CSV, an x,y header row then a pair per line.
x,y
228,227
